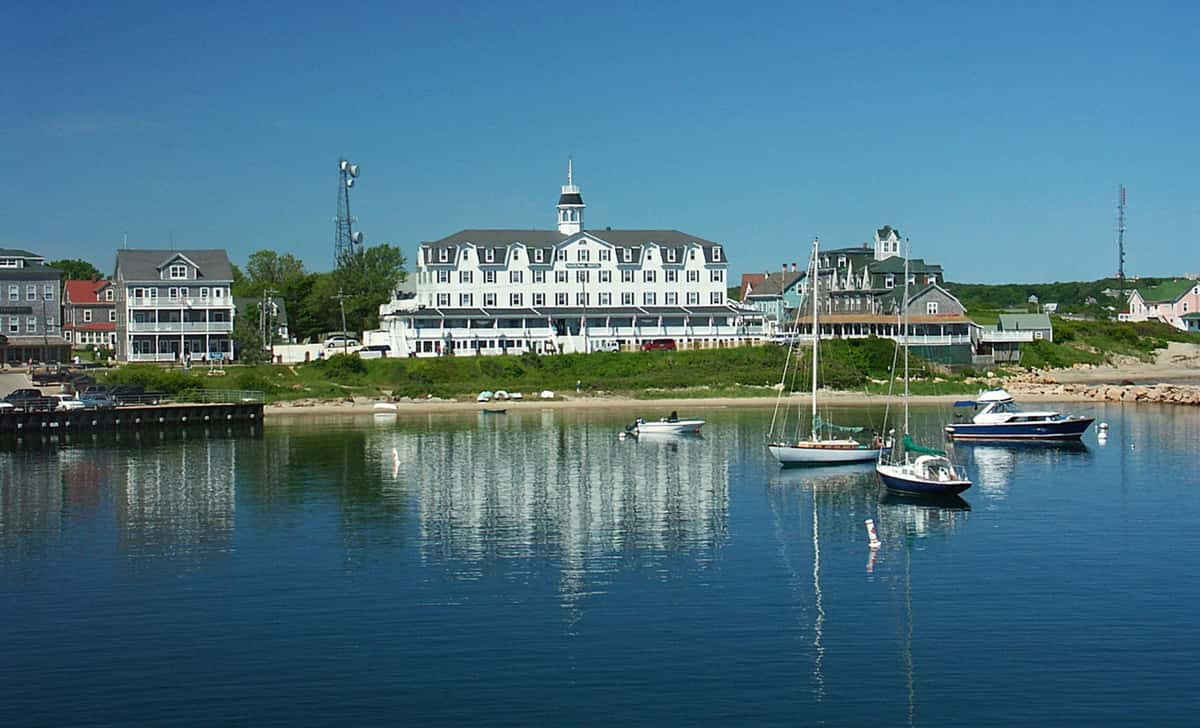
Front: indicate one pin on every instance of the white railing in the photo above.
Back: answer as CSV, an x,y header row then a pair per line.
x,y
180,327
160,356
165,302
1004,336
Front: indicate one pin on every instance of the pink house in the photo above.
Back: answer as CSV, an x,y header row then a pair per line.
x,y
1169,302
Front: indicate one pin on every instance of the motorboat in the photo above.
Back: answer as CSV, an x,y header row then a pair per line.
x,y
1000,419
665,426
384,408
827,443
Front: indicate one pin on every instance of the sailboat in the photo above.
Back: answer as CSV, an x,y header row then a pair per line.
x,y
816,450
908,467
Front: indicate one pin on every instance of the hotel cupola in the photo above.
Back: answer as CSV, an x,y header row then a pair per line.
x,y
570,206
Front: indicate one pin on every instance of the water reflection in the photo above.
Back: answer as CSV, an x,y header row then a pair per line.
x,y
167,492
995,465
497,487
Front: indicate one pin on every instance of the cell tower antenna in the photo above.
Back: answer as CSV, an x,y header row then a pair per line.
x,y
346,242
1121,239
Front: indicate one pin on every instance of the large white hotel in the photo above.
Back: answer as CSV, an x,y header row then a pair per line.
x,y
569,289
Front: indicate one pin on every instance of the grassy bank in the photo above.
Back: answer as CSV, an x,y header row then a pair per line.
x,y
746,371
850,365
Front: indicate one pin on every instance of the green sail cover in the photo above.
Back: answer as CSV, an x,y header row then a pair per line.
x,y
914,447
818,424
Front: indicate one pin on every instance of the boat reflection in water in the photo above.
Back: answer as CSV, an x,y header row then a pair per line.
x,y
997,464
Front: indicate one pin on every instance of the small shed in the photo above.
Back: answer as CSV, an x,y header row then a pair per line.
x,y
1038,323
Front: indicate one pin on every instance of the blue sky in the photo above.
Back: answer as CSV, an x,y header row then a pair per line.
x,y
994,135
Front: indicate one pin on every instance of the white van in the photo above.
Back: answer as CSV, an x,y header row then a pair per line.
x,y
606,345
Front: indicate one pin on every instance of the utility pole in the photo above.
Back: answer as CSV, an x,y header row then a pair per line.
x,y
341,297
266,319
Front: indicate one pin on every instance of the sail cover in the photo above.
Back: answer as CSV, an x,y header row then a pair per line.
x,y
819,423
914,447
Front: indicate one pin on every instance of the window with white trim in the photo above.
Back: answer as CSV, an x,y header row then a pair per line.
x,y
670,298
560,254
582,255
539,276
172,294
716,276
443,276
87,315
649,276
560,276
489,256
693,276
627,276
31,325
605,276
605,255
716,254
178,272
889,281
539,299
671,276
931,308
464,300
14,293
626,255
14,325
693,298
560,299
465,276
627,298
489,277
648,298
204,294
443,255
516,276
716,298
581,276
605,299
112,316
31,292
539,255
516,300
48,291
581,299
443,299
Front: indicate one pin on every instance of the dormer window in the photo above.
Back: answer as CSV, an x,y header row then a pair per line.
x,y
108,295
626,255
489,255
716,254
671,255
178,272
443,255
889,281
841,261
538,255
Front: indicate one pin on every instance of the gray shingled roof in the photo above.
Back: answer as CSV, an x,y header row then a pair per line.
x,y
15,253
144,265
501,239
775,283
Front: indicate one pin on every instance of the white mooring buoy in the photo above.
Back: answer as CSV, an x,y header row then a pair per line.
x,y
872,539
1103,426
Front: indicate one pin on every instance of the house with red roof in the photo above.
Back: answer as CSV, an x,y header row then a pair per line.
x,y
89,314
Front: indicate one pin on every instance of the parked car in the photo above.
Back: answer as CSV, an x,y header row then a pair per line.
x,y
27,399
338,342
50,374
607,345
135,394
64,402
659,345
5,407
97,400
375,351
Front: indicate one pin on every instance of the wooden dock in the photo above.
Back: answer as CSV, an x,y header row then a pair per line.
x,y
136,417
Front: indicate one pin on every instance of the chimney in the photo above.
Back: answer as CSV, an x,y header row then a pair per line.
x,y
793,267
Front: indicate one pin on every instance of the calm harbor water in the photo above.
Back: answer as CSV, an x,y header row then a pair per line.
x,y
531,568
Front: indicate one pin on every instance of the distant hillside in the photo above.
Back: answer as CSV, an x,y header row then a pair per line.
x,y
1071,296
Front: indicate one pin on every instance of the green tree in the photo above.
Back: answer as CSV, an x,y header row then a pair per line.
x,y
269,269
77,269
366,281
248,340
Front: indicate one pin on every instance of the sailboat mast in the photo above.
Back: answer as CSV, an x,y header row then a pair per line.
x,y
815,334
904,329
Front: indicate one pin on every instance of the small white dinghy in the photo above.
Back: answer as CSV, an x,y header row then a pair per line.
x,y
384,408
665,426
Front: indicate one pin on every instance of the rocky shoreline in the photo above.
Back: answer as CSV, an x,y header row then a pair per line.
x,y
1047,388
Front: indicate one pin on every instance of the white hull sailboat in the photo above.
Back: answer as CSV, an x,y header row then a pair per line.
x,y
817,450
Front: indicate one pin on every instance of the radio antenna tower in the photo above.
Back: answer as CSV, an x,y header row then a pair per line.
x,y
346,242
1121,239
